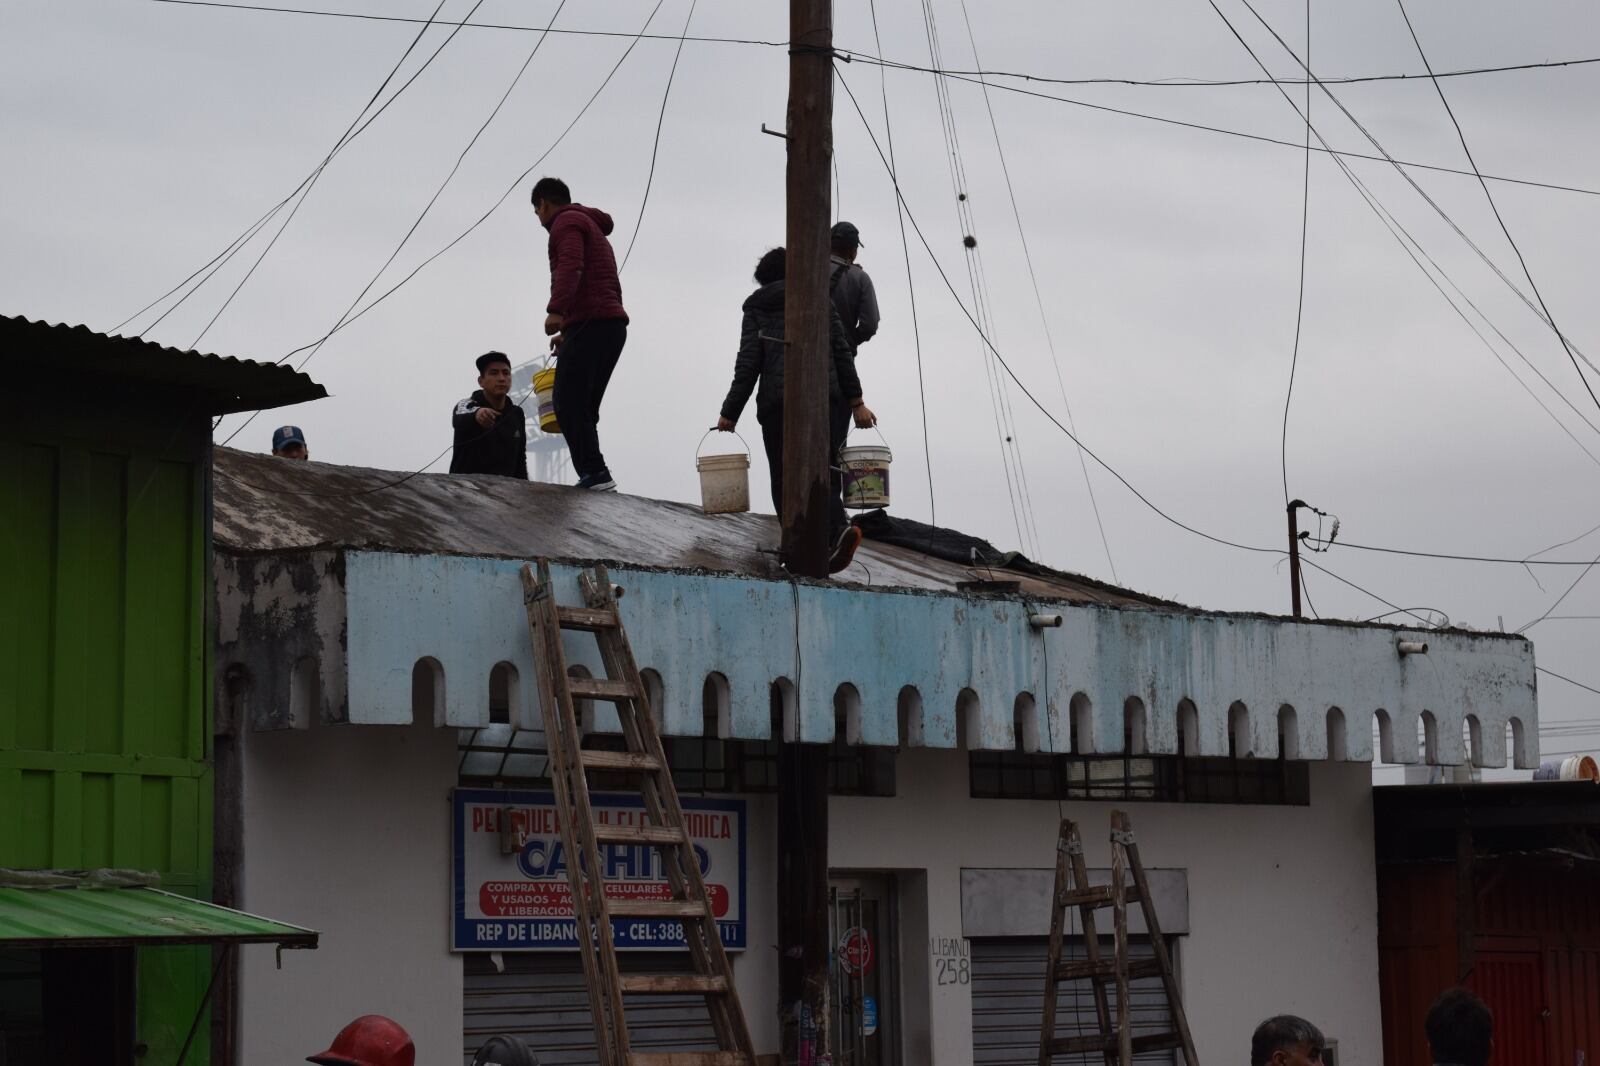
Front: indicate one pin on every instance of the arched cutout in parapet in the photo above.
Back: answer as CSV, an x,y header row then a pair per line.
x,y
427,691
1025,723
1240,744
1472,739
305,693
503,689
1135,727
1428,738
1188,728
785,710
1385,735
908,715
847,714
1338,736
1516,752
1288,733
237,687
655,696
584,709
716,707
969,720
1082,727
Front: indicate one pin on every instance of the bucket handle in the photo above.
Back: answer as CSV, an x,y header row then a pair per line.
x,y
851,428
714,429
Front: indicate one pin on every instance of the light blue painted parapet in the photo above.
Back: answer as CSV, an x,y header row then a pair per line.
x,y
942,669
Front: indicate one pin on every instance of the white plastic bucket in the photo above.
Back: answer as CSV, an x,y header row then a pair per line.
x,y
1572,768
724,481
866,475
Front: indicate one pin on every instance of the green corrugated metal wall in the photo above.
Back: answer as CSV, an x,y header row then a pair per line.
x,y
104,664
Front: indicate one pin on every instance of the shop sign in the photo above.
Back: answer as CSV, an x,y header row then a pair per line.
x,y
855,951
509,888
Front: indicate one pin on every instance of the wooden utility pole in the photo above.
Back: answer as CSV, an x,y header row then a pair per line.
x,y
803,934
1294,555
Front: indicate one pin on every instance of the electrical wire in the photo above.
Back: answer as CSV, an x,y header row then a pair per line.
x,y
1551,609
1524,561
1044,319
1568,680
655,145
1300,297
1572,351
1493,207
911,287
911,217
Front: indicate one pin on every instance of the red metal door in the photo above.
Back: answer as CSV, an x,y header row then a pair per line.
x,y
1512,983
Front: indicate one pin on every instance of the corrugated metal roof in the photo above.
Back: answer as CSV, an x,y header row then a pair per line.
x,y
264,504
222,384
131,917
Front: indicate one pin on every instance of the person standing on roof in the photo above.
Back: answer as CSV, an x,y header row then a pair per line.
x,y
289,442
491,431
585,321
853,295
760,362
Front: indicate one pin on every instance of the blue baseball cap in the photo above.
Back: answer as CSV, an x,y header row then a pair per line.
x,y
286,435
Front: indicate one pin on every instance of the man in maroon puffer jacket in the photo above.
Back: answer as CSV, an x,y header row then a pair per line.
x,y
585,321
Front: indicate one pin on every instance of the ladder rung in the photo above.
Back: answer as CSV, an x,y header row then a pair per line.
x,y
591,619
594,759
690,1058
1106,969
1077,1045
601,688
1096,896
638,834
655,908
674,983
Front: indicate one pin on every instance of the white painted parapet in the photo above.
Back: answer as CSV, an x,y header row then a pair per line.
x,y
940,669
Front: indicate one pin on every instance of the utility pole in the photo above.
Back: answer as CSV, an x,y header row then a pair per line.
x,y
1294,554
803,934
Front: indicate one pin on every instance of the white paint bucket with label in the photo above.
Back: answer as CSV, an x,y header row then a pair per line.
x,y
866,475
724,480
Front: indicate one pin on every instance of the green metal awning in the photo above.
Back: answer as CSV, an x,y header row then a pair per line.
x,y
77,917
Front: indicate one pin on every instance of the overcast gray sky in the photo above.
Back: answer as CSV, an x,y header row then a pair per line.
x,y
145,136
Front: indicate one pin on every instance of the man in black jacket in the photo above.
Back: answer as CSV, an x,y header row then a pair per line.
x,y
491,431
760,361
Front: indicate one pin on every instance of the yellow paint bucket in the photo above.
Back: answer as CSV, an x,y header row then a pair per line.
x,y
866,475
544,388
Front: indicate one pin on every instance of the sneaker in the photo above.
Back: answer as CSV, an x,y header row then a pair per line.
x,y
844,549
600,482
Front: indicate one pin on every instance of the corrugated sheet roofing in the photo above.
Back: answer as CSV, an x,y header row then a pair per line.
x,y
266,504
131,917
222,384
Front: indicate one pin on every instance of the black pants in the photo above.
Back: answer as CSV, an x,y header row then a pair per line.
x,y
586,358
772,437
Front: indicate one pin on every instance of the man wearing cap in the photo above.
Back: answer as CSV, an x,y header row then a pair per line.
x,y
851,288
491,431
288,442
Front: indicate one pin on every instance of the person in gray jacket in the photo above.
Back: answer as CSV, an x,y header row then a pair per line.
x,y
759,369
853,295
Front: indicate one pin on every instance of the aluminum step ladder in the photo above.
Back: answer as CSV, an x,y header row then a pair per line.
x,y
1115,1040
663,828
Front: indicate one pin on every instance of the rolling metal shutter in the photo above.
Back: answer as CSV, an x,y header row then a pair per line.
x,y
541,1000
1008,997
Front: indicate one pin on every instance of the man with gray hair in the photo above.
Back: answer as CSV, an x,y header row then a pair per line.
x,y
1286,1040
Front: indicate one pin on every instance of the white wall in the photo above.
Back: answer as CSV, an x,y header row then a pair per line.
x,y
1282,906
347,831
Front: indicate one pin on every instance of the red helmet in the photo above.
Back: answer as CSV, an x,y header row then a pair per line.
x,y
370,1040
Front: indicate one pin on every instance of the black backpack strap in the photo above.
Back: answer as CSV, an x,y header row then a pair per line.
x,y
838,272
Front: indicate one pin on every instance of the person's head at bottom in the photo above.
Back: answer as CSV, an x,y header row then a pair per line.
x,y
1286,1040
289,442
494,375
370,1040
1460,1029
504,1051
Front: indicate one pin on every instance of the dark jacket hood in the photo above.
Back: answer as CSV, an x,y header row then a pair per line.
x,y
766,299
599,217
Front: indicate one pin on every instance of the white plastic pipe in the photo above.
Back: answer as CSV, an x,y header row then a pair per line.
x,y
1411,647
1045,621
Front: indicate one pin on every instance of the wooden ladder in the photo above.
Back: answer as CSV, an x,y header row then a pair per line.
x,y
1115,1041
663,829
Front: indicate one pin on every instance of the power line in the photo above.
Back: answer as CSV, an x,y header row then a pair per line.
x,y
911,288
1462,137
1300,292
1525,561
655,145
1581,575
1568,680
1038,296
851,55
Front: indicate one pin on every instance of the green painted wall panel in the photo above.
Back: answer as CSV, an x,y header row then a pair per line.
x,y
35,808
27,566
97,805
